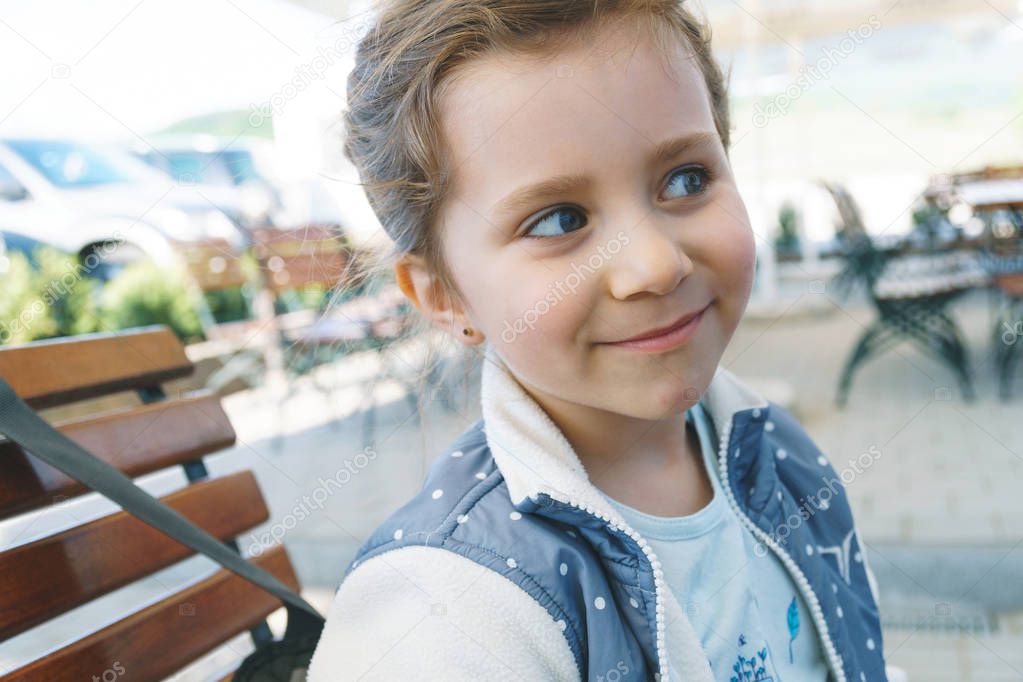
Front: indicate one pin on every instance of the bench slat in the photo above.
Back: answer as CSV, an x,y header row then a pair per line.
x,y
137,441
167,636
48,373
52,575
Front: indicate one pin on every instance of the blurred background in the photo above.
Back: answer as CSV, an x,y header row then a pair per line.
x,y
180,164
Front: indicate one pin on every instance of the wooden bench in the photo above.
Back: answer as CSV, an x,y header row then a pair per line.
x,y
51,575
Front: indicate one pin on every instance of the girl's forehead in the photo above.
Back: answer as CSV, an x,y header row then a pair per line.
x,y
510,119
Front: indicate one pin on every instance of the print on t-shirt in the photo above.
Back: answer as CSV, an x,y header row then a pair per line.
x,y
793,623
752,669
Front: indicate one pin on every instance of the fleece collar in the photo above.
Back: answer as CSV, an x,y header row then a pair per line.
x,y
535,457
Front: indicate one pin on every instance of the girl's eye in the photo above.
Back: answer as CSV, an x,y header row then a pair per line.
x,y
558,222
686,181
689,180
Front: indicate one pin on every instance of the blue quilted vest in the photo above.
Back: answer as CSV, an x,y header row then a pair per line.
x,y
605,604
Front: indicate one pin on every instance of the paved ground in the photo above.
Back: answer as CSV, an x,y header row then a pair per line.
x,y
939,508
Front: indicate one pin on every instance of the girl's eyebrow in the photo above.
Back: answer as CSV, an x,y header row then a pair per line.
x,y
530,195
677,146
559,185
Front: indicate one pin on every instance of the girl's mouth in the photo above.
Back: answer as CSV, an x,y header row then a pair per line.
x,y
665,338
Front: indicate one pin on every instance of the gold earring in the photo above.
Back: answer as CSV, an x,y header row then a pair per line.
x,y
467,331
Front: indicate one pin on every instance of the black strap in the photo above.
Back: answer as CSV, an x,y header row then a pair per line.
x,y
23,426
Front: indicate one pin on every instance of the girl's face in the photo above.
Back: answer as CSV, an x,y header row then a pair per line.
x,y
592,202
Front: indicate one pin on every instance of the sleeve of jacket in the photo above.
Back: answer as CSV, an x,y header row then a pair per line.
x,y
427,613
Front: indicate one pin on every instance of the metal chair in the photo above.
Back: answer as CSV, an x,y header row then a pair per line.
x,y
911,297
1003,260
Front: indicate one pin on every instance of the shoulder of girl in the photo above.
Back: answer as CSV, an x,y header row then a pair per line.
x,y
797,455
460,473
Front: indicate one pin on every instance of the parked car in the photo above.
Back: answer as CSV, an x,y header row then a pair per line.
x,y
234,172
85,200
251,170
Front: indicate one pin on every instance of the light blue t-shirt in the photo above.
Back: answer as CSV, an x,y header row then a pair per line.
x,y
746,610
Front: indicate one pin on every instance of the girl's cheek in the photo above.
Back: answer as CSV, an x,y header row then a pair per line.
x,y
743,252
734,247
535,317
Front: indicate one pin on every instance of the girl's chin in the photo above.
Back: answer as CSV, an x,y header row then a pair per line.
x,y
654,399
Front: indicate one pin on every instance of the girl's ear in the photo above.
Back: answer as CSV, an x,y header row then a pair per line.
x,y
421,286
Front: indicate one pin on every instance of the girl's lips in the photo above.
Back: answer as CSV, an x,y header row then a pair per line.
x,y
672,338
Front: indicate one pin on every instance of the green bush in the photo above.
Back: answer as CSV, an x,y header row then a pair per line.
x,y
787,239
71,296
54,299
235,303
228,305
18,317
143,294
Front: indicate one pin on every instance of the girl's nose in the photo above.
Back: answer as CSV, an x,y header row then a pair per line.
x,y
653,261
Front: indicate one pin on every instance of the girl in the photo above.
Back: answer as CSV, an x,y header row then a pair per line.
x,y
555,176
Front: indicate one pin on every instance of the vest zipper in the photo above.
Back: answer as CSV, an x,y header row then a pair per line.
x,y
801,581
655,564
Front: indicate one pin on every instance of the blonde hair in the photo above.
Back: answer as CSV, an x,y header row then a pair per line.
x,y
392,123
